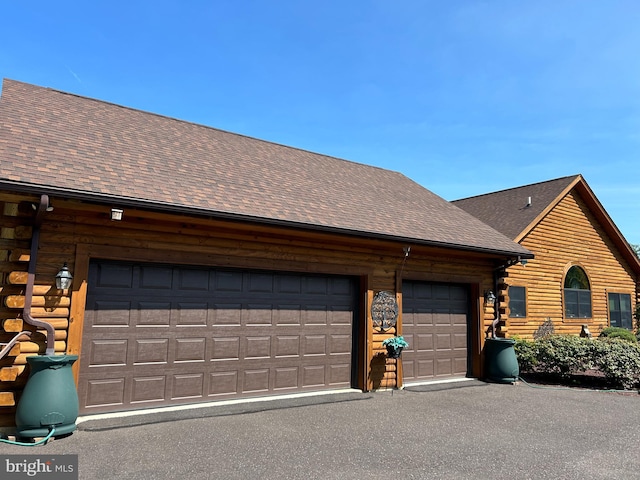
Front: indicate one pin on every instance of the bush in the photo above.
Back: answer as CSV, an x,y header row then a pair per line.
x,y
527,353
565,355
619,361
621,333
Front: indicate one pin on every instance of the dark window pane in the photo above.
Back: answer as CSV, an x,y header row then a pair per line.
x,y
584,303
517,302
571,303
576,279
620,310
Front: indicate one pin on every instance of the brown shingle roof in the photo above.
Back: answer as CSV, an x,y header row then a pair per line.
x,y
91,149
507,210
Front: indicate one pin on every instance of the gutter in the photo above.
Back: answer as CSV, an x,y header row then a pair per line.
x,y
31,276
181,209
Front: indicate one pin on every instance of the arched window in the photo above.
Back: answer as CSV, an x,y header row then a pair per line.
x,y
577,294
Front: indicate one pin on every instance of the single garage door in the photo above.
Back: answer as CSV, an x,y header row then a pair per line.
x,y
435,317
160,335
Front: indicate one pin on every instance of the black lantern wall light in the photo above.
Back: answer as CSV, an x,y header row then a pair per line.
x,y
490,298
64,278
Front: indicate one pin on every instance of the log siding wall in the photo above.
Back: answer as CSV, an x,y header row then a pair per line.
x,y
74,232
568,235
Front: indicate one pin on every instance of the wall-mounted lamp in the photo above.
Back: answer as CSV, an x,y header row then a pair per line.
x,y
116,214
64,278
490,297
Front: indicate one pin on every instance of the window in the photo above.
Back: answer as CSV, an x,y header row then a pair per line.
x,y
620,310
517,302
577,294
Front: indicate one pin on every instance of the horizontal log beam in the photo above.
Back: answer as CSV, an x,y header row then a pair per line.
x,y
9,374
7,399
18,301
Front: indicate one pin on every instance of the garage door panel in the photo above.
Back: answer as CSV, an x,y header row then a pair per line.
x,y
255,380
340,374
289,284
110,313
435,319
156,278
153,314
151,350
168,339
340,344
188,314
188,386
422,342
443,341
444,367
148,389
425,368
108,352
314,345
225,348
340,317
313,376
107,392
460,341
257,347
228,281
190,350
193,280
226,314
288,315
257,314
112,276
287,346
286,378
314,315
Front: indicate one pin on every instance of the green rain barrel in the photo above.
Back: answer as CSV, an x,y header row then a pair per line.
x,y
501,361
49,399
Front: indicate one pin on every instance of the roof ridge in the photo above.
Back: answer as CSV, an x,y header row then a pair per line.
x,y
199,125
518,187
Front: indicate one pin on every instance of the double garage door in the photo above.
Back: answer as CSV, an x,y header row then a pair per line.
x,y
435,318
165,334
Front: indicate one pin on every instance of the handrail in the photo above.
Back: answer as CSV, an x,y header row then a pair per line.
x,y
7,346
31,278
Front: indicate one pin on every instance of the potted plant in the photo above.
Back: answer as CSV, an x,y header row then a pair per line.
x,y
394,346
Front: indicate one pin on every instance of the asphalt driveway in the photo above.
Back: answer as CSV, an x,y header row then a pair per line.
x,y
470,430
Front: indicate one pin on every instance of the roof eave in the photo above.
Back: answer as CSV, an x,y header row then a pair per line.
x,y
120,201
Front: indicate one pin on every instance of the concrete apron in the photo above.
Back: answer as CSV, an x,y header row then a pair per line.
x,y
124,419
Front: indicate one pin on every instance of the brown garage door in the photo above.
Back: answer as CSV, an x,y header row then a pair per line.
x,y
157,335
434,322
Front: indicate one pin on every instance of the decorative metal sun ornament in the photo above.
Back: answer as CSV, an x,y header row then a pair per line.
x,y
384,310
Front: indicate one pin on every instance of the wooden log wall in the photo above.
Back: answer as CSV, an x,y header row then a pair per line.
x,y
569,235
75,231
48,303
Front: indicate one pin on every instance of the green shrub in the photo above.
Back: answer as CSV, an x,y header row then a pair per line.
x,y
527,353
619,360
621,333
566,355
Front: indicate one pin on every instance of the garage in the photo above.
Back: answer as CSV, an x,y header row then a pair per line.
x,y
158,335
435,319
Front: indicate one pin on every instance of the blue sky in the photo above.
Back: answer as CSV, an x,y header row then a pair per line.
x,y
464,97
